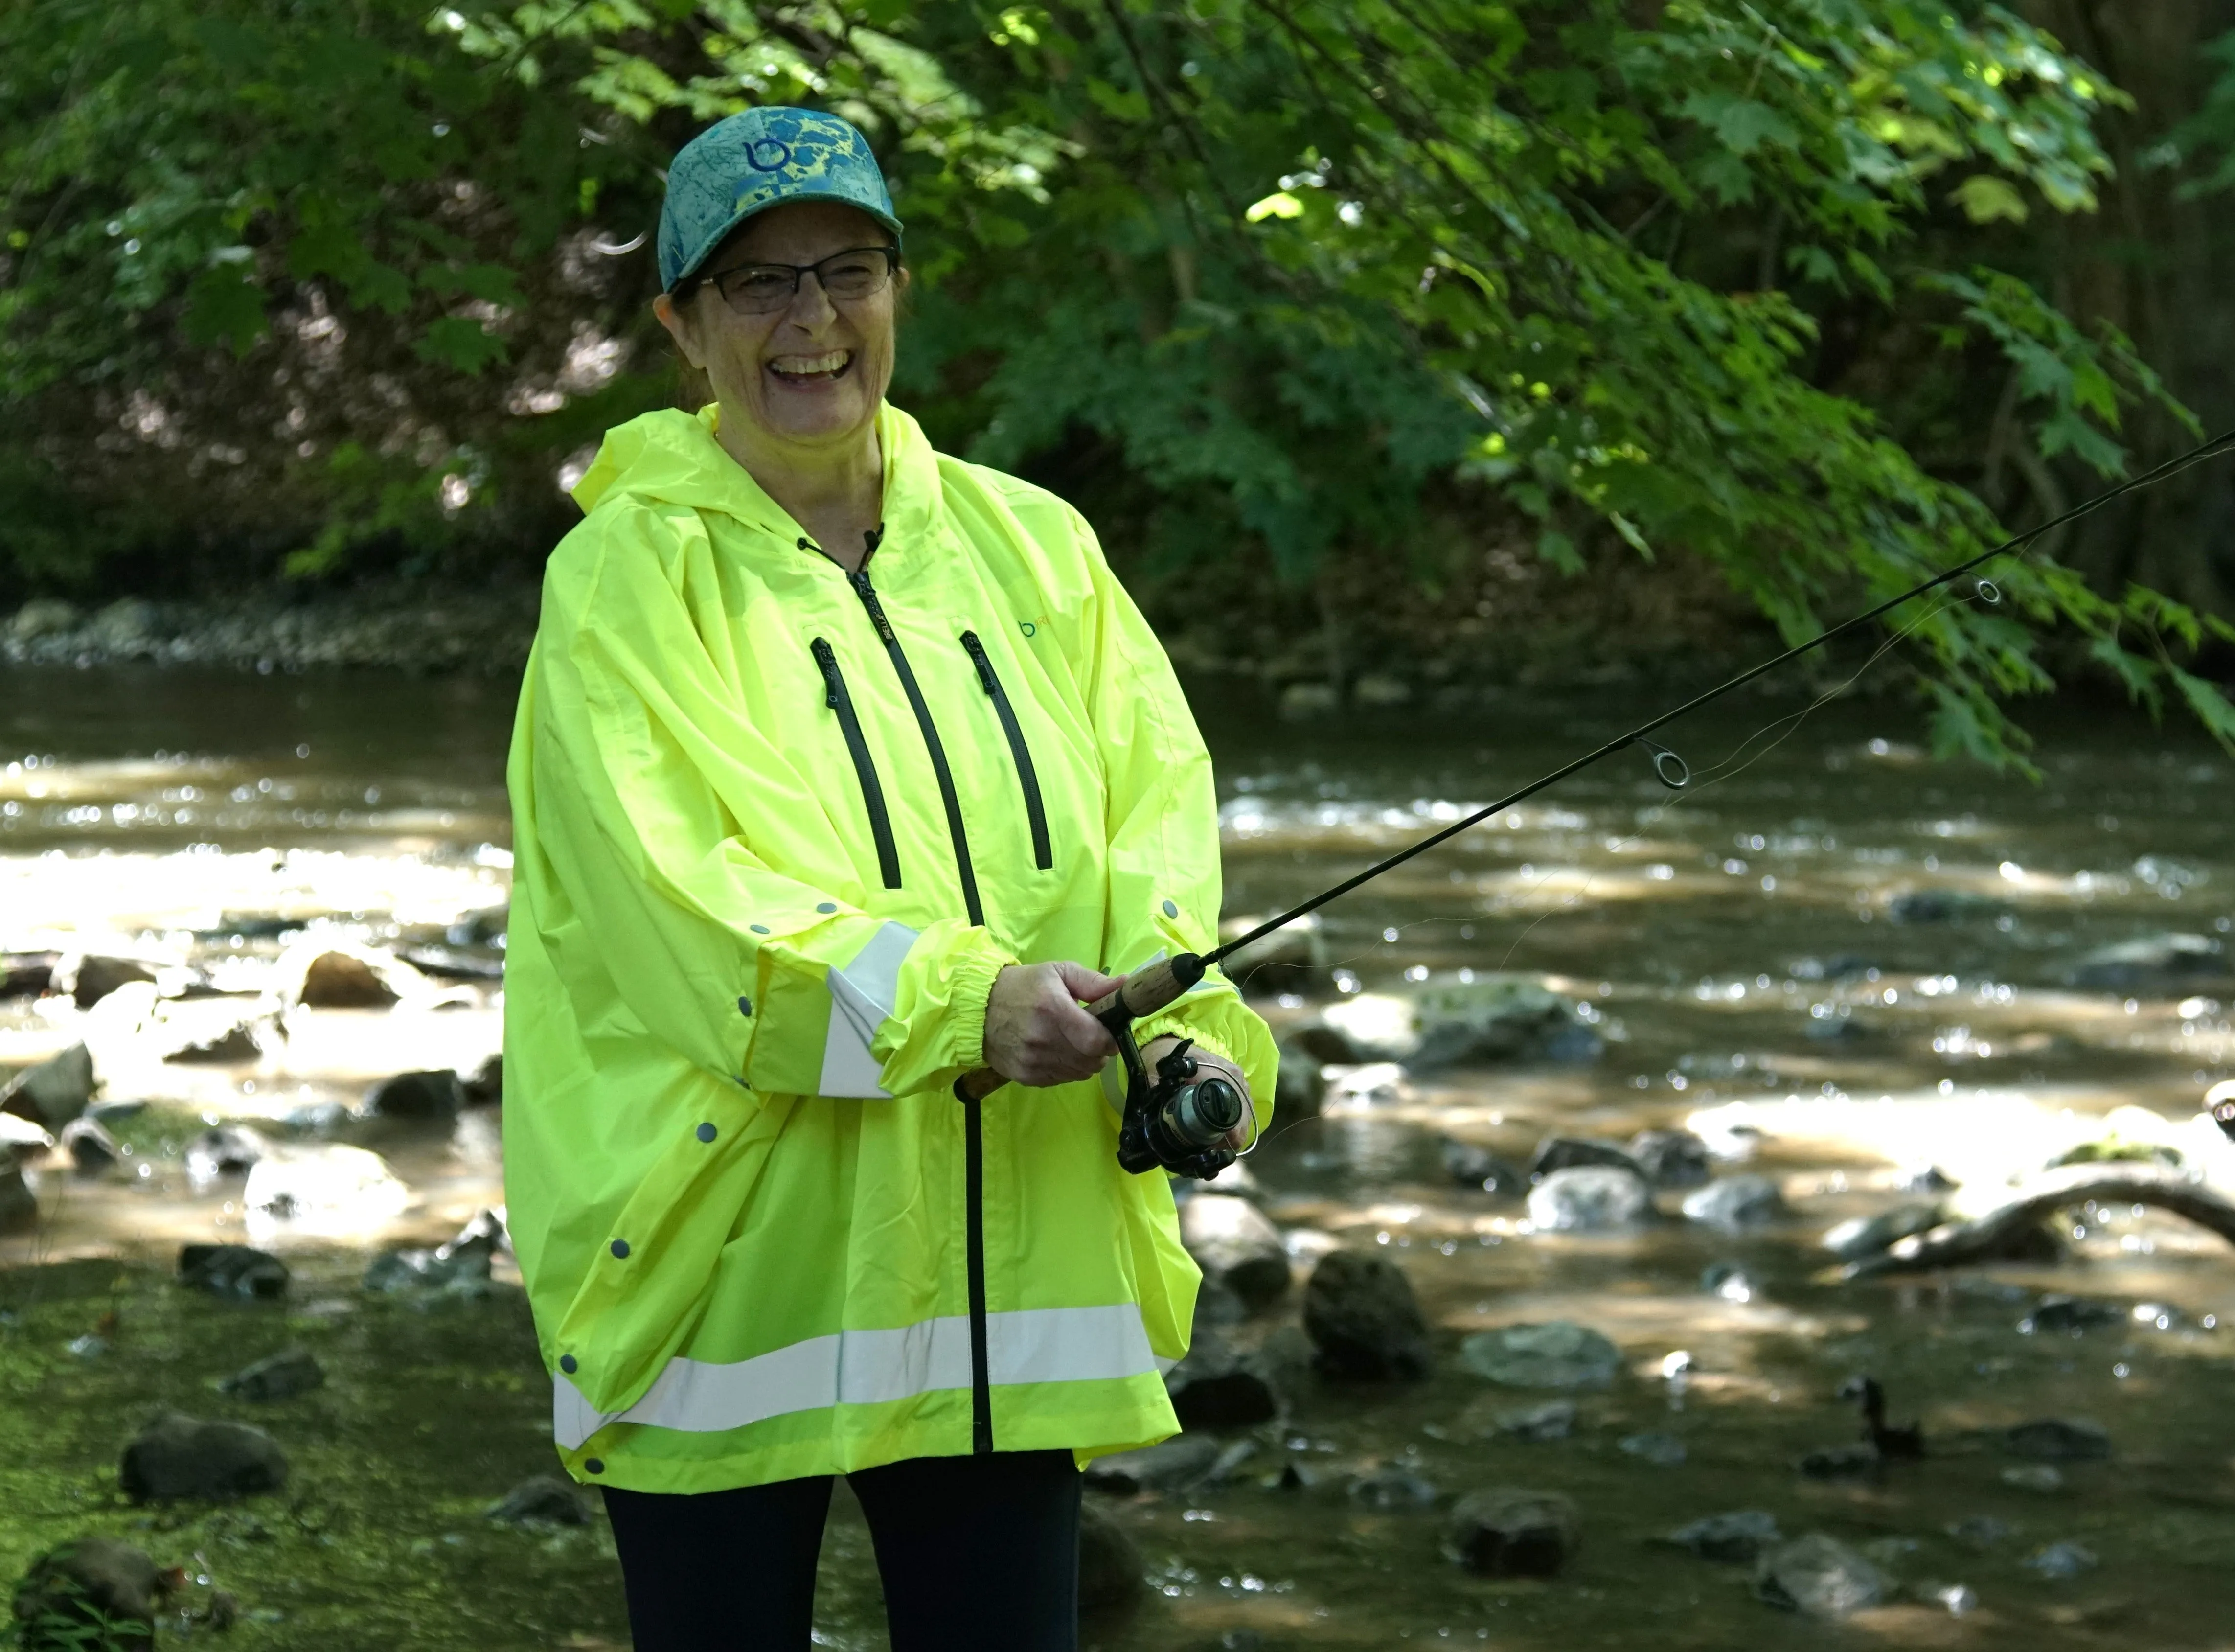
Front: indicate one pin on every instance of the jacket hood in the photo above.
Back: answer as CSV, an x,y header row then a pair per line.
x,y
672,457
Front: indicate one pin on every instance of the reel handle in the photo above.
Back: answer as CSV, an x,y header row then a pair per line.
x,y
1144,993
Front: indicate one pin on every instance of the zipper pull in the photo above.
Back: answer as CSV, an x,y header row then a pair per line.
x,y
860,580
828,662
977,652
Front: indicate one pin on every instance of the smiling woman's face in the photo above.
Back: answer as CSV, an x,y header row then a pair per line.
x,y
812,374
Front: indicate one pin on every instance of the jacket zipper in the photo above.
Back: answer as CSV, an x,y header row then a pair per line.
x,y
974,1127
873,795
1043,854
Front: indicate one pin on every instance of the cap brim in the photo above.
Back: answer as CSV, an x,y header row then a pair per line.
x,y
724,234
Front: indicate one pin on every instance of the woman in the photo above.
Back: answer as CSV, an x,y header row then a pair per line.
x,y
842,768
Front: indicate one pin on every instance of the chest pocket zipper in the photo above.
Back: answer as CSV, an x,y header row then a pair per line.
x,y
1035,810
873,793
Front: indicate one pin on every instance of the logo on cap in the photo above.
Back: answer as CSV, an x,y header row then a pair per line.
x,y
760,147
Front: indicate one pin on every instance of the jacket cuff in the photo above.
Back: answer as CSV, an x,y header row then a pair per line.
x,y
977,963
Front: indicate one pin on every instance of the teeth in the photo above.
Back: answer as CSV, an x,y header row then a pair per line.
x,y
831,362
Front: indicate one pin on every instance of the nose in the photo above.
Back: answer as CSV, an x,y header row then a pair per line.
x,y
811,309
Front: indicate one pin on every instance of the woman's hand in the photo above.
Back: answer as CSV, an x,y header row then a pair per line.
x,y
1212,1066
1036,1033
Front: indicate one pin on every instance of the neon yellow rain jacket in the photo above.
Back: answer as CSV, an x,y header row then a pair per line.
x,y
777,830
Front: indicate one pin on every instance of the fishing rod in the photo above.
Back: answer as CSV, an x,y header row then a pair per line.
x,y
1181,1119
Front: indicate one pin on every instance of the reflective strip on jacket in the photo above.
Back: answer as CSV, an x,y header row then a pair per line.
x,y
754,927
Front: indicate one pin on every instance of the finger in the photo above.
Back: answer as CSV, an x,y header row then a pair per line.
x,y
1086,985
1083,1032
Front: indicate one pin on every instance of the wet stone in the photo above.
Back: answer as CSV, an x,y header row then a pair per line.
x,y
1220,1386
280,1376
27,975
97,977
73,1588
1556,1354
1110,1569
1471,1165
1671,1158
53,1092
242,1041
2062,1560
1236,1244
2151,962
2035,1477
1301,1086
232,1270
323,1182
1867,1235
342,981
485,1087
1818,1577
1391,1488
1450,1022
458,1267
1662,1450
435,1094
1554,1419
1363,1319
1737,1203
179,1456
92,1150
1730,1281
1173,1466
1589,1199
1508,1533
225,1149
2071,1315
1574,1152
2059,1439
1861,1461
1980,1531
544,1500
1738,1538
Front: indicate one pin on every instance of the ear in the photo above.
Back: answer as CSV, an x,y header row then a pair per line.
x,y
680,327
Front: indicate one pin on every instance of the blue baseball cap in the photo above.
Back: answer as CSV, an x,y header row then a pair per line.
x,y
755,160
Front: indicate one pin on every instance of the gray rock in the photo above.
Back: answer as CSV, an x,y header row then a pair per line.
x,y
92,1150
1943,905
1860,1461
2071,1315
1556,1354
1471,1165
2035,1477
1363,1319
178,1456
1589,1199
1175,1464
1218,1386
1554,1419
1574,1152
97,977
1662,1450
19,1206
242,1041
53,1092
460,1267
417,1095
232,1270
90,1593
43,616
1730,1281
343,981
1671,1158
485,1088
1739,1537
2059,1439
1450,1022
1867,1235
1236,1244
1820,1576
1301,1087
1928,1178
1392,1488
1980,1531
1288,961
2151,962
225,1149
27,975
1110,1569
280,1376
2062,1560
544,1500
479,928
1737,1203
1509,1533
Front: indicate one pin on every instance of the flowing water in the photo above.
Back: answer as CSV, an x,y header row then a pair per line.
x,y
1834,958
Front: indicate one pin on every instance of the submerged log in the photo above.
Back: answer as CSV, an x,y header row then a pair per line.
x,y
1992,1236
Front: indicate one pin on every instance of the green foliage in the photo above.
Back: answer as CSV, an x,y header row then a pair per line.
x,y
2207,138
1264,274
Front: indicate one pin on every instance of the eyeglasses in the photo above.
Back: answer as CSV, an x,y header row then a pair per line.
x,y
760,289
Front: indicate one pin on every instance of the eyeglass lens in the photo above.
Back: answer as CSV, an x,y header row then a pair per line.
x,y
758,288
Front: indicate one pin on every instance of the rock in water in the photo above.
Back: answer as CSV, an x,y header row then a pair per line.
x,y
98,977
1471,1165
1508,1533
27,975
545,1500
1572,1152
2151,962
1670,1159
1556,1354
2062,1560
1363,1318
2059,1439
71,1591
92,1149
1589,1199
417,1095
1236,1245
1109,1564
242,1041
1867,1235
1739,1537
342,981
462,1266
178,1456
53,1092
1449,1021
486,1087
1391,1487
1662,1450
2071,1314
224,1150
1173,1466
1818,1577
281,1376
1737,1203
232,1270
1554,1419
1218,1386
1301,1086
325,1181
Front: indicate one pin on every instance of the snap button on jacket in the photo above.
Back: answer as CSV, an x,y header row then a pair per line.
x,y
777,832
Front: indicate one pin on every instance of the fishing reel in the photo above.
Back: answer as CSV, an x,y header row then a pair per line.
x,y
1180,1120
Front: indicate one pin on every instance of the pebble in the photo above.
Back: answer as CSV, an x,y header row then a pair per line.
x,y
1556,1354
1736,1204
1506,1531
1671,1158
1818,1577
1739,1537
232,1270
543,1500
2061,1560
1363,1318
1236,1245
1662,1451
1589,1199
178,1456
280,1376
2058,1440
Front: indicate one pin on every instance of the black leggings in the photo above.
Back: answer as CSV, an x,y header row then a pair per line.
x,y
975,1552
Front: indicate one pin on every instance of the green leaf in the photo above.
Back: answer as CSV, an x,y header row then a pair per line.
x,y
225,308
1986,198
463,346
1743,124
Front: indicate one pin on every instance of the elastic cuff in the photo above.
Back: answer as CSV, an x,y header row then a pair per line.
x,y
976,965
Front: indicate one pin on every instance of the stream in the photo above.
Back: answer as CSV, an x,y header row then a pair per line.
x,y
1844,966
